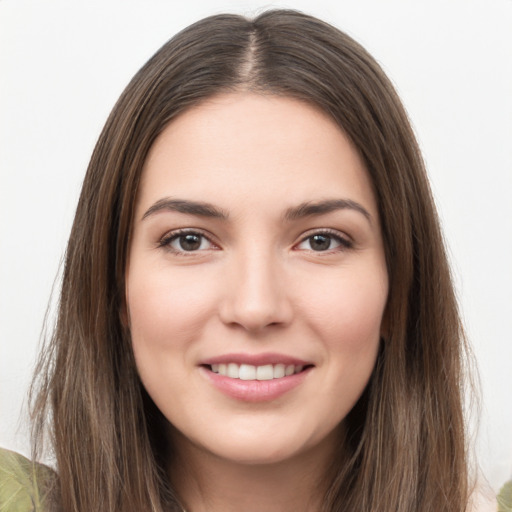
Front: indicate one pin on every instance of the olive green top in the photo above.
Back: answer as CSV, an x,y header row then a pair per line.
x,y
24,486
505,498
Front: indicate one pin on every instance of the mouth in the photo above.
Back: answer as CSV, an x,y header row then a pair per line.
x,y
254,372
256,378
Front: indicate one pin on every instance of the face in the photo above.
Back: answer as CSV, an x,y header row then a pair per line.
x,y
256,281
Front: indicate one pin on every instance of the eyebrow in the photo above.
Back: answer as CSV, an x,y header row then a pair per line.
x,y
199,208
204,209
322,207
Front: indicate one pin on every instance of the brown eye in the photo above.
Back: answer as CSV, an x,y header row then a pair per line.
x,y
186,242
325,241
190,242
320,242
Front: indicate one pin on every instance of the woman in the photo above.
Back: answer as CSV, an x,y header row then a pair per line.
x,y
257,311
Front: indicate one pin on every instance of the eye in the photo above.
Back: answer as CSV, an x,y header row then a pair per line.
x,y
324,241
186,242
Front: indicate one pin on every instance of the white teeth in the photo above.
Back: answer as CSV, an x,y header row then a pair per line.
x,y
233,371
250,372
247,372
265,372
278,371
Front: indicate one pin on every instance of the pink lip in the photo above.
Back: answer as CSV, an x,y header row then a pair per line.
x,y
256,359
254,390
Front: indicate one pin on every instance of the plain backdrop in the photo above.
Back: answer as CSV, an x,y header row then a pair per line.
x,y
64,63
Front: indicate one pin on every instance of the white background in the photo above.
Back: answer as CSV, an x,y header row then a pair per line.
x,y
64,63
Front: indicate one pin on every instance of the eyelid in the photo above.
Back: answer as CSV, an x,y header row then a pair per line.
x,y
344,239
165,241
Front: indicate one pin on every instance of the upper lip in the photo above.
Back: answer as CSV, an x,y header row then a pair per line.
x,y
256,359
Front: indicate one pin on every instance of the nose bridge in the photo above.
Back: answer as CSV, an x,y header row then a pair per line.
x,y
255,294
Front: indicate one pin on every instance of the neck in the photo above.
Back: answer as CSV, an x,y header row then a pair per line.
x,y
208,483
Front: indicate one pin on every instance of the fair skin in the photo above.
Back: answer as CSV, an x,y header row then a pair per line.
x,y
256,287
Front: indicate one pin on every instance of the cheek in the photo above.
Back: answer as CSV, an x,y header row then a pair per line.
x,y
351,310
165,308
347,319
166,316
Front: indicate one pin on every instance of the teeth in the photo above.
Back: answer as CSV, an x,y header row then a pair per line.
x,y
278,371
233,371
250,372
247,372
265,372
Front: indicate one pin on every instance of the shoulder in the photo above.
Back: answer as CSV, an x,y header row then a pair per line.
x,y
505,498
483,499
24,485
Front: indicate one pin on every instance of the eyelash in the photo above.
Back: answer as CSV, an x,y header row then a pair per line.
x,y
166,241
345,242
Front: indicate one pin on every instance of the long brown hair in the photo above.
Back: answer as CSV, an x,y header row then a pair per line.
x,y
405,436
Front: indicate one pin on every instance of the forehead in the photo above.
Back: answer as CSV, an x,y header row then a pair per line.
x,y
248,146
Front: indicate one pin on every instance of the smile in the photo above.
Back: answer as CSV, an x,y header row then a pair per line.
x,y
255,378
252,372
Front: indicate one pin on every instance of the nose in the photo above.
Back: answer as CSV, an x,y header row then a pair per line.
x,y
255,295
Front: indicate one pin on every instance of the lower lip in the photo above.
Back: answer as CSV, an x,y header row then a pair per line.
x,y
255,390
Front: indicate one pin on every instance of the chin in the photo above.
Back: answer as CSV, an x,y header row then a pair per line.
x,y
271,444
257,453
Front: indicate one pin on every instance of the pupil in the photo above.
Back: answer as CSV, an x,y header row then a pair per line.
x,y
320,242
190,242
